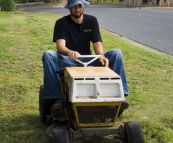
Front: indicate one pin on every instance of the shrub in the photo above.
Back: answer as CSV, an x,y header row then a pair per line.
x,y
7,5
21,1
48,1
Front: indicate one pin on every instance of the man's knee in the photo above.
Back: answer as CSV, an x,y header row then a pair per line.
x,y
117,52
114,53
49,55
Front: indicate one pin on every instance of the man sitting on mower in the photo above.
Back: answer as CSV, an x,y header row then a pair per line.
x,y
72,34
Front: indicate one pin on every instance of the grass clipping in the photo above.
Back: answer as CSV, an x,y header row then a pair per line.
x,y
23,39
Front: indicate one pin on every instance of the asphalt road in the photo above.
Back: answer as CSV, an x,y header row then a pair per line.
x,y
152,27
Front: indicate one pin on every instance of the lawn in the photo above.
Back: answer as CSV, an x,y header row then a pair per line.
x,y
23,39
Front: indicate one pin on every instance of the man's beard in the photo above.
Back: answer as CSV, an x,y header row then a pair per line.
x,y
76,15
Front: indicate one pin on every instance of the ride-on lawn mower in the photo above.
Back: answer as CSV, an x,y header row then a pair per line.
x,y
92,101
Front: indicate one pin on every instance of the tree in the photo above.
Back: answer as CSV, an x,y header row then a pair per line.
x,y
7,5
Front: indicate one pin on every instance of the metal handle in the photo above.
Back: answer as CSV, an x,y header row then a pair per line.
x,y
85,64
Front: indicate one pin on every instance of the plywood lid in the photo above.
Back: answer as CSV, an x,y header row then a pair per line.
x,y
91,72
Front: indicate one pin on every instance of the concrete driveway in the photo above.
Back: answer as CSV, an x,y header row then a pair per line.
x,y
149,26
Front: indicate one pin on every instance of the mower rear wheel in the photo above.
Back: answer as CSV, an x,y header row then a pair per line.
x,y
60,135
133,133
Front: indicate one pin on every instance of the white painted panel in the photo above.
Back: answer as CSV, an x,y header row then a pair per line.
x,y
85,90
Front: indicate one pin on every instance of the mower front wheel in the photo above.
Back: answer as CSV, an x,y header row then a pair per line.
x,y
60,135
133,133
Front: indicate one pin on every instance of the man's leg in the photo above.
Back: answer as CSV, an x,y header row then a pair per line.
x,y
116,64
51,78
53,62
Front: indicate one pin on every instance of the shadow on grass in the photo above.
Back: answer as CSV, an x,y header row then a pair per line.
x,y
25,128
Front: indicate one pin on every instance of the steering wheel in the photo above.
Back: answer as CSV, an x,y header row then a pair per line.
x,y
85,64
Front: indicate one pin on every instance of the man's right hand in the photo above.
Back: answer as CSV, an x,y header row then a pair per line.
x,y
104,61
73,55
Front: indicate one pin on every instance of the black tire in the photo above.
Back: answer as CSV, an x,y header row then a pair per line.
x,y
41,104
60,135
133,133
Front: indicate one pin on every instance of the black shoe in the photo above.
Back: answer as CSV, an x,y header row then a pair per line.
x,y
57,112
124,105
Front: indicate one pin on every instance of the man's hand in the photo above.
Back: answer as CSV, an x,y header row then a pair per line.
x,y
104,61
73,55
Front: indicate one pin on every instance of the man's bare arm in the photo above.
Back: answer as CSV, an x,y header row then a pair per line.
x,y
62,49
98,49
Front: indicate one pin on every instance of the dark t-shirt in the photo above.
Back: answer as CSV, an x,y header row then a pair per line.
x,y
77,36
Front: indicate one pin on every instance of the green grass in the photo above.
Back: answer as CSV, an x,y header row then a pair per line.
x,y
23,39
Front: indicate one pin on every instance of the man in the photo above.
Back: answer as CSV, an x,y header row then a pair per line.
x,y
72,35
